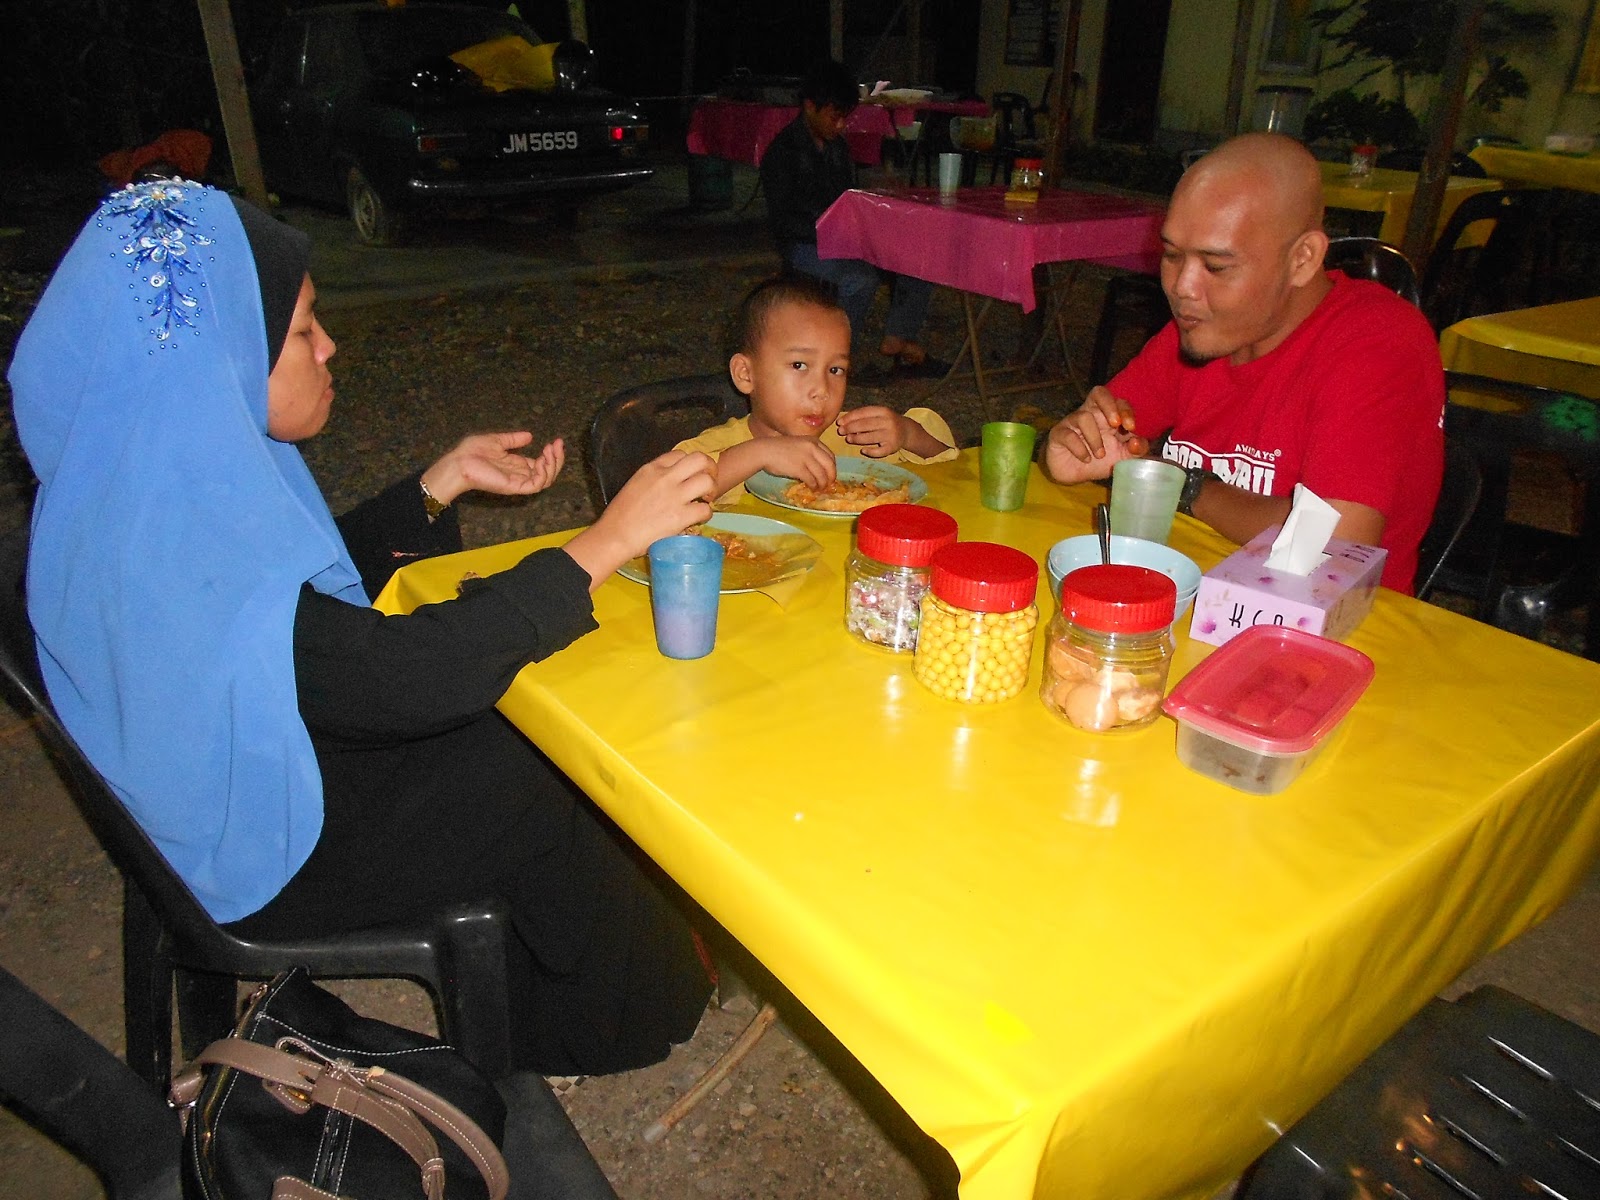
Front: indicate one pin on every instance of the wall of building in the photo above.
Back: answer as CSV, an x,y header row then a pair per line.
x,y
1199,51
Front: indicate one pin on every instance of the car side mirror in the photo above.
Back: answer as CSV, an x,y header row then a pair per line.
x,y
572,64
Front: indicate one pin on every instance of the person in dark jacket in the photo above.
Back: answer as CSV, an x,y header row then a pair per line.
x,y
805,169
305,763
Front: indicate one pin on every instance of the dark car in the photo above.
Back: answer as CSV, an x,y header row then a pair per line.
x,y
362,105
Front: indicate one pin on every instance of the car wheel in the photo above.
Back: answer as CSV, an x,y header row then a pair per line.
x,y
377,222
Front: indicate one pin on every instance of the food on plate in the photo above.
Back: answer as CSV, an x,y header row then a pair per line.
x,y
751,560
847,495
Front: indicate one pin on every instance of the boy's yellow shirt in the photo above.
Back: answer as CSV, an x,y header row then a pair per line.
x,y
718,438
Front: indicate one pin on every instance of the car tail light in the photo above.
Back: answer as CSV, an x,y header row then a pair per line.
x,y
440,143
617,133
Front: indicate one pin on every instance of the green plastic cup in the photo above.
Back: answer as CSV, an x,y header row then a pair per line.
x,y
1003,464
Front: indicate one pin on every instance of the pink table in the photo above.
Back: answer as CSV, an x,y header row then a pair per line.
x,y
741,131
980,244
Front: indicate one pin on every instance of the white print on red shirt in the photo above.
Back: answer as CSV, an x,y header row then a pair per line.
x,y
1247,468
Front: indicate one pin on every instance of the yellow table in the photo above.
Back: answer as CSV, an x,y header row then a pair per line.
x,y
1540,167
1083,969
1389,192
1554,345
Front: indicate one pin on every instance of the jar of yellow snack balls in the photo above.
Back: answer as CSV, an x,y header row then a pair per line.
x,y
1109,647
978,620
887,574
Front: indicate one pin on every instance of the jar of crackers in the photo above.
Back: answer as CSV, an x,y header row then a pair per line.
x,y
978,620
888,572
1109,647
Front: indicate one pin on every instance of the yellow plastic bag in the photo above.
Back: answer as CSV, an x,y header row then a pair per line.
x,y
510,63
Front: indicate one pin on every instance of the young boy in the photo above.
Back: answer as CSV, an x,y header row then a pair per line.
x,y
792,360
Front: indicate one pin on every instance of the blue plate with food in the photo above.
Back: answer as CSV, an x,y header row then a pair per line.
x,y
758,552
860,484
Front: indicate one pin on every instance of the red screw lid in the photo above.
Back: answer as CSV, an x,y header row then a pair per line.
x,y
1119,598
903,535
984,577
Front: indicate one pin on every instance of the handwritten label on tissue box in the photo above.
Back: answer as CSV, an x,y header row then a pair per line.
x,y
1242,591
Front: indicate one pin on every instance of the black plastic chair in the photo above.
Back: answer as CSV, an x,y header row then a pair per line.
x,y
1487,1098
642,423
81,1096
1131,302
1459,494
1519,576
1369,258
169,939
1015,135
1509,271
1411,160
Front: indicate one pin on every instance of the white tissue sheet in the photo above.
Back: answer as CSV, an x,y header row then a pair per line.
x,y
1299,546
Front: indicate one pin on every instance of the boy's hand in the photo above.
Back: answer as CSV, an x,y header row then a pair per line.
x,y
879,431
801,458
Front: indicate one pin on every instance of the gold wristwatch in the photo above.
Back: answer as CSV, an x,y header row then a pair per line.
x,y
431,504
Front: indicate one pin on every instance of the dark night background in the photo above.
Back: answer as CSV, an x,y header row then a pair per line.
x,y
80,78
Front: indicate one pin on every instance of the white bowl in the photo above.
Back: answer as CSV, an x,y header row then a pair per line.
x,y
1082,551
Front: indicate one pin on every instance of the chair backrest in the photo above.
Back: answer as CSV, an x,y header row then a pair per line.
x,y
1368,258
1411,160
642,423
124,840
1013,117
1458,501
1506,272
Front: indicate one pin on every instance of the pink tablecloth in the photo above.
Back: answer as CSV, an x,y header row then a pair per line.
x,y
980,243
741,131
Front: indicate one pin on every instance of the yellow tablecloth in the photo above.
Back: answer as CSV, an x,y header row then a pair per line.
x,y
1389,192
1554,345
1540,167
1082,968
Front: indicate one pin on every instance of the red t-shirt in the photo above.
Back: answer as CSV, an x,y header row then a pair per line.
x,y
1351,404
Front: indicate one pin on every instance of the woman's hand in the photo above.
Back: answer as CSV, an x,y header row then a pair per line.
x,y
489,462
664,497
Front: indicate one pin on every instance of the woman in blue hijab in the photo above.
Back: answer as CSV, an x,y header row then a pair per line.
x,y
304,762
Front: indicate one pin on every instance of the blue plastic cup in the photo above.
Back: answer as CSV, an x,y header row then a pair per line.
x,y
685,592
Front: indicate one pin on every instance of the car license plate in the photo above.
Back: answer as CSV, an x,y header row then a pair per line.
x,y
544,141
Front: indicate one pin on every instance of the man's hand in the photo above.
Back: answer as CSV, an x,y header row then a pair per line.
x,y
1087,443
489,462
664,497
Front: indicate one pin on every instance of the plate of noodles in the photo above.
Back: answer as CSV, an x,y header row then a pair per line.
x,y
859,484
757,552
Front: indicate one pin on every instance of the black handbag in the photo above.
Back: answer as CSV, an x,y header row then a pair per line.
x,y
308,1099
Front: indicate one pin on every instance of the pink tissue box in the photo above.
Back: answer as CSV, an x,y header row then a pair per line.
x,y
1241,591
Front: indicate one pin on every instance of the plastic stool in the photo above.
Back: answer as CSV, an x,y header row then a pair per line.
x,y
1487,1097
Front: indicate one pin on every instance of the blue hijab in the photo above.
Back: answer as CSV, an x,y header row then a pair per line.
x,y
171,535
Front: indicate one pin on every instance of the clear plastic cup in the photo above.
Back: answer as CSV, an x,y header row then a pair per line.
x,y
949,173
1144,497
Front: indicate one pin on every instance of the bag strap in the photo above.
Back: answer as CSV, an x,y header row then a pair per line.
x,y
387,1102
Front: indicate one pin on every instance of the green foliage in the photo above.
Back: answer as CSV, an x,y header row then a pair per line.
x,y
1365,118
1409,38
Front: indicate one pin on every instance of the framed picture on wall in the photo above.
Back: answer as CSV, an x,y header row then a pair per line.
x,y
1586,78
1030,33
1291,45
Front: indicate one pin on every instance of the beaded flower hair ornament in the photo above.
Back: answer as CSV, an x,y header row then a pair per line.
x,y
161,237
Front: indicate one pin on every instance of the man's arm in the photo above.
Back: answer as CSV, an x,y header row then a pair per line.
x,y
1239,515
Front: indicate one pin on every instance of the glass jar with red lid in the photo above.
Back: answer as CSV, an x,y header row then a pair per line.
x,y
978,620
888,572
1109,647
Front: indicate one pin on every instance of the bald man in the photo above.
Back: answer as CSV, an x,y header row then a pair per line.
x,y
1273,371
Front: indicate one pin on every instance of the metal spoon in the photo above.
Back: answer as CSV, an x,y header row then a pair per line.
x,y
1102,526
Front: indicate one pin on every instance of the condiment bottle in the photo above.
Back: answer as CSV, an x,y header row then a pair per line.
x,y
1027,175
887,573
978,620
1109,647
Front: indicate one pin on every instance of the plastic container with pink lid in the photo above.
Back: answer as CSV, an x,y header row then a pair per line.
x,y
1257,712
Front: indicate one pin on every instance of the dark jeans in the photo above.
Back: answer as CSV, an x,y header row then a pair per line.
x,y
858,284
